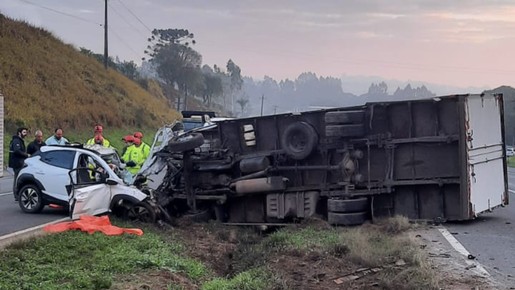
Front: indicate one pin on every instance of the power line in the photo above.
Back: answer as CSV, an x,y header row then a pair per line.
x,y
126,21
61,12
130,11
125,43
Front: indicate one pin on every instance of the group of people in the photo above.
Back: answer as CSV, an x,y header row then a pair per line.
x,y
134,152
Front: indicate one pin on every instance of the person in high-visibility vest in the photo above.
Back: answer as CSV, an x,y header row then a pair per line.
x,y
146,147
135,156
98,138
127,141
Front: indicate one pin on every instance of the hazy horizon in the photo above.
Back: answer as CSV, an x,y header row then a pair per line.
x,y
452,43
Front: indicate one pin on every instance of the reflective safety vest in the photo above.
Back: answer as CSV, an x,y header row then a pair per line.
x,y
136,154
105,143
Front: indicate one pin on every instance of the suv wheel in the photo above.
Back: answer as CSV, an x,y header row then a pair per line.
x,y
142,212
30,199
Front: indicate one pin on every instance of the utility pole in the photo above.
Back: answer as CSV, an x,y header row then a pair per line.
x,y
106,56
262,102
179,103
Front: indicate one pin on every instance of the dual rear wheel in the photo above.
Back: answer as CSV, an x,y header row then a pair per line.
x,y
348,212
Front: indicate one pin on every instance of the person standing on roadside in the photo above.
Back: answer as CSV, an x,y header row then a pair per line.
x,y
57,138
35,145
17,154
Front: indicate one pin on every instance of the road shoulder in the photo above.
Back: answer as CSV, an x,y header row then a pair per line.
x,y
25,234
455,270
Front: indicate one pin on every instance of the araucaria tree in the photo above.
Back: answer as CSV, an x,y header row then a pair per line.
x,y
175,61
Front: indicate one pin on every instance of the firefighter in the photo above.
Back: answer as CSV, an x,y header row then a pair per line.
x,y
98,136
127,141
134,156
145,146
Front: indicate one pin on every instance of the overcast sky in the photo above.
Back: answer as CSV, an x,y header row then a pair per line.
x,y
454,42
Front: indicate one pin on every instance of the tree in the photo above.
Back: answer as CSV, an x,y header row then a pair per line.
x,y
236,81
129,69
98,57
212,87
162,38
380,89
243,104
176,62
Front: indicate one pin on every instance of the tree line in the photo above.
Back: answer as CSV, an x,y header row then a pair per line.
x,y
171,59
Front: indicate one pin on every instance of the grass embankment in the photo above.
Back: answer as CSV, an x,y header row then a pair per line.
x,y
75,260
217,257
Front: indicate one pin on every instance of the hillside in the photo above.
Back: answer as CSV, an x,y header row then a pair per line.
x,y
47,83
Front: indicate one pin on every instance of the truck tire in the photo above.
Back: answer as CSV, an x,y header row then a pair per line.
x,y
348,205
344,117
298,140
347,219
186,142
349,130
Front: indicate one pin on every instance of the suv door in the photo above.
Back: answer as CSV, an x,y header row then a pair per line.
x,y
53,172
89,194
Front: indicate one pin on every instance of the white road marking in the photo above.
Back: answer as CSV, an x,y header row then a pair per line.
x,y
5,237
7,193
461,249
512,191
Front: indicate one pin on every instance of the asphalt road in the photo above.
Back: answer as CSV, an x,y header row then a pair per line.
x,y
491,238
12,219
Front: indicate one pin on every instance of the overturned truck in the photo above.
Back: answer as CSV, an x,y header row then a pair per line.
x,y
436,159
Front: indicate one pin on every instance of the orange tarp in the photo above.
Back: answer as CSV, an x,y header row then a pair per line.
x,y
91,224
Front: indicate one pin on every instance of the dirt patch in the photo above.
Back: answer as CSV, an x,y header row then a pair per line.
x,y
152,279
231,250
228,251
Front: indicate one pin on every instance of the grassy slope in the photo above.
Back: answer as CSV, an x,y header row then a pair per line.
x,y
47,83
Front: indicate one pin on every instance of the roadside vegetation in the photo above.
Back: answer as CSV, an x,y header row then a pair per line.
x,y
311,255
47,84
76,260
511,161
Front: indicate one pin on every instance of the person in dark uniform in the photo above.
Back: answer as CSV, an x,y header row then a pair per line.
x,y
17,154
35,145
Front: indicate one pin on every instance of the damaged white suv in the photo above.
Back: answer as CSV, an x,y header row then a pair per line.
x,y
78,178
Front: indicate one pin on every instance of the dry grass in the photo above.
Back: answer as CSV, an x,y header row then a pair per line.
x,y
395,225
40,77
335,252
387,245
